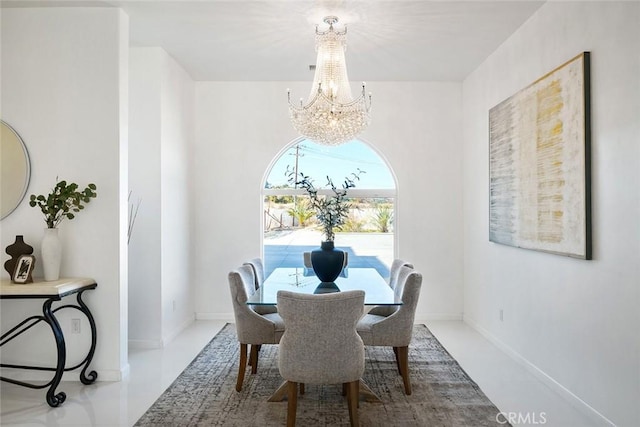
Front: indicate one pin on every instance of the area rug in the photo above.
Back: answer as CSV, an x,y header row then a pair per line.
x,y
204,394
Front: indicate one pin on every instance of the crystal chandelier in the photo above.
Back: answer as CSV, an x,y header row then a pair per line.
x,y
331,116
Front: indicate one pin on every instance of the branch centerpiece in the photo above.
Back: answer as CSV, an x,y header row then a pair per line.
x,y
332,211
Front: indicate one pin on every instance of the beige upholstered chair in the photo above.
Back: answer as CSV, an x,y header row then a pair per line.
x,y
258,274
387,310
320,344
396,329
395,271
252,328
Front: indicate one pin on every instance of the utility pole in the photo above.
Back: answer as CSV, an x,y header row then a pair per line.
x,y
296,166
295,185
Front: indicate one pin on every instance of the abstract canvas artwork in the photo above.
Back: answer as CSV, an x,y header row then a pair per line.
x,y
539,164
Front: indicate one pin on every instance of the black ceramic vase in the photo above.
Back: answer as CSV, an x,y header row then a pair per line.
x,y
17,248
327,262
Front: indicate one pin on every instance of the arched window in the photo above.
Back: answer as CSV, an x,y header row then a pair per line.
x,y
289,225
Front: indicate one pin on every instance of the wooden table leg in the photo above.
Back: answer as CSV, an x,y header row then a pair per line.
x,y
280,394
366,394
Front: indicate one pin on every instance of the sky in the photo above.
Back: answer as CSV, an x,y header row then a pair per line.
x,y
318,161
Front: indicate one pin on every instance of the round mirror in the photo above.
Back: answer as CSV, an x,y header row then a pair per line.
x,y
15,169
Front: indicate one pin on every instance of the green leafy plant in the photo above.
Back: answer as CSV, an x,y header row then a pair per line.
x,y
383,218
301,212
331,211
63,200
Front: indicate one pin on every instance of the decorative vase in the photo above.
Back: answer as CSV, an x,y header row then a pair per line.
x,y
326,288
327,262
19,247
51,249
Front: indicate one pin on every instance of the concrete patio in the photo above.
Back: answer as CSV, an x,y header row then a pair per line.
x,y
284,248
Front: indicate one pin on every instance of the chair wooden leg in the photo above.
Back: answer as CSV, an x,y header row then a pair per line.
x,y
352,400
403,356
395,351
344,388
301,388
253,359
242,367
292,403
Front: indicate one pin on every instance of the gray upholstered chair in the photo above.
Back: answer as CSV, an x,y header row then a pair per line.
x,y
258,274
388,310
252,328
395,271
258,271
320,344
396,329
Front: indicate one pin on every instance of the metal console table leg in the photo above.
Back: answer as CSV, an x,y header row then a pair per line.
x,y
49,316
54,399
93,375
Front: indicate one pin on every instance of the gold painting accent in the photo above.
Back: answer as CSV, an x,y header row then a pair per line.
x,y
539,168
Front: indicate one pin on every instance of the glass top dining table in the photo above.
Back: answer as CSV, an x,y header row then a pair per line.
x,y
303,280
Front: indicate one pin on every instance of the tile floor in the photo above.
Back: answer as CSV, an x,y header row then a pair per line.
x,y
508,385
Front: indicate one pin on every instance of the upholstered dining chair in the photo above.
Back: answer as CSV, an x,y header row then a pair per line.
x,y
258,274
320,344
252,328
396,329
388,310
258,270
394,271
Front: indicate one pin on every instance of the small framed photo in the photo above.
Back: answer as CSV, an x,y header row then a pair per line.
x,y
24,269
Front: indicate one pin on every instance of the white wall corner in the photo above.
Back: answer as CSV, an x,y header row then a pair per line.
x,y
554,385
171,336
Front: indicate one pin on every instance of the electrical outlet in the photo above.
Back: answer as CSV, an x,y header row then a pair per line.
x,y
75,326
501,315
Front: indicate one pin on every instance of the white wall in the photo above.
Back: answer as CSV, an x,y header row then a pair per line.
x,y
178,289
64,89
575,321
145,318
242,126
162,109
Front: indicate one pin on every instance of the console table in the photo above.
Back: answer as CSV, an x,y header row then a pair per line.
x,y
50,292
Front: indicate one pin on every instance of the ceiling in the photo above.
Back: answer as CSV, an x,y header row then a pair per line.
x,y
274,40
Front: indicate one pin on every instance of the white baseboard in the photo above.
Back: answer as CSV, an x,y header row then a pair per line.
x,y
145,344
124,372
170,337
554,385
156,344
424,318
227,317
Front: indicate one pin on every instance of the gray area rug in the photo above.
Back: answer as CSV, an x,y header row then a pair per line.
x,y
204,394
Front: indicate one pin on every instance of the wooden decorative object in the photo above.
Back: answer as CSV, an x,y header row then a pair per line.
x,y
17,248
